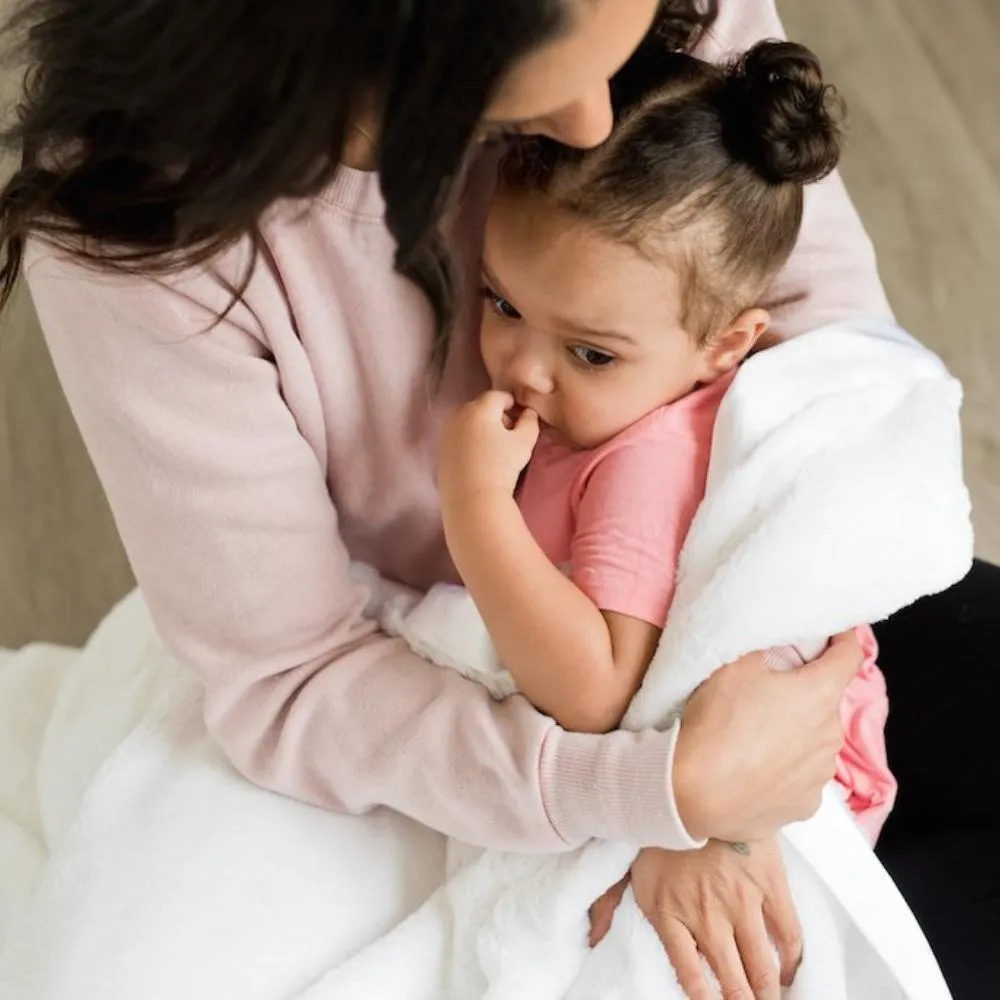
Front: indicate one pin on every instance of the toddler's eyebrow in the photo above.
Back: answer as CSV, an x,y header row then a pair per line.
x,y
587,331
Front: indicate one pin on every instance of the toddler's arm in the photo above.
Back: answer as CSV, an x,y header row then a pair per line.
x,y
579,647
574,662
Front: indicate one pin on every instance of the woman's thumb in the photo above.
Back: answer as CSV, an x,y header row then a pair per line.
x,y
840,664
603,911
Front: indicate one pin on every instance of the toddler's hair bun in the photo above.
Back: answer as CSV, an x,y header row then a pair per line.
x,y
782,119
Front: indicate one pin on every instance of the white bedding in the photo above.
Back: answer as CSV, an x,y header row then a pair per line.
x,y
136,865
158,872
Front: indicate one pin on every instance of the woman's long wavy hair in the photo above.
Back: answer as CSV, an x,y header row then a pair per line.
x,y
154,134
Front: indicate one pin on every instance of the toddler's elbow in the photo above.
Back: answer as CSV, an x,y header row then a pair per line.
x,y
598,710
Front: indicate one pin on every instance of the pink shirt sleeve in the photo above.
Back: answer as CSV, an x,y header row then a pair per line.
x,y
862,765
631,522
225,513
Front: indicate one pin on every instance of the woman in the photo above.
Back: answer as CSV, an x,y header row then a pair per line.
x,y
260,362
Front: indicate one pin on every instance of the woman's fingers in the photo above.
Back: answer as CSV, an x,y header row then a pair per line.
x,y
785,930
758,957
723,956
756,747
683,954
603,911
727,906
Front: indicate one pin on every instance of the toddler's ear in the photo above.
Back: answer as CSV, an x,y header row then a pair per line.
x,y
723,351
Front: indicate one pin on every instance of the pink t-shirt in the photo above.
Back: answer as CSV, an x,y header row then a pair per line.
x,y
616,517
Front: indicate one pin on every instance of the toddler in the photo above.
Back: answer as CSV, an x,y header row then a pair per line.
x,y
622,289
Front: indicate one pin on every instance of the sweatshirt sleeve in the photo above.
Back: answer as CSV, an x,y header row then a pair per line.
x,y
832,275
225,514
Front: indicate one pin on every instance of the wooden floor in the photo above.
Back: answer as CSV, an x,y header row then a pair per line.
x,y
923,85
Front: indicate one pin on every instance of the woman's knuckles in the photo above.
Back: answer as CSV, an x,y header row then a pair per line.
x,y
710,906
715,943
698,989
764,981
788,942
737,993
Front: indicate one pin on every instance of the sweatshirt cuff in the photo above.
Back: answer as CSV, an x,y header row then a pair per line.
x,y
790,657
616,786
783,658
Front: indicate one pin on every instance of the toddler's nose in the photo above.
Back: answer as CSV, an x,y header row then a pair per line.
x,y
528,375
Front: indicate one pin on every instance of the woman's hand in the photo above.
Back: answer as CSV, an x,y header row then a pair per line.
x,y
757,746
729,903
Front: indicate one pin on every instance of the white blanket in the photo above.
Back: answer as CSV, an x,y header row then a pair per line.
x,y
135,864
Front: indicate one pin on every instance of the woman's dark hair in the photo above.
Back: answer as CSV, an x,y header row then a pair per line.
x,y
155,133
706,164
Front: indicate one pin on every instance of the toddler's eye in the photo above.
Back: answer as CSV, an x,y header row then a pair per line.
x,y
592,357
500,305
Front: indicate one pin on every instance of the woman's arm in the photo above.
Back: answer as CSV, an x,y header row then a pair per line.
x,y
225,513
832,275
224,510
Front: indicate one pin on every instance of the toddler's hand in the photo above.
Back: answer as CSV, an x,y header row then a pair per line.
x,y
484,449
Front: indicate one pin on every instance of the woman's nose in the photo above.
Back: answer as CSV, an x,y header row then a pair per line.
x,y
585,123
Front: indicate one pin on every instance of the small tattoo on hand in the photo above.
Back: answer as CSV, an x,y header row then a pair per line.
x,y
740,848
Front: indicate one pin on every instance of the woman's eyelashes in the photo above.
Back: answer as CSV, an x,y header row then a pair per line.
x,y
499,304
498,134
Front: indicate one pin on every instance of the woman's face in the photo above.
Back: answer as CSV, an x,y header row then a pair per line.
x,y
561,89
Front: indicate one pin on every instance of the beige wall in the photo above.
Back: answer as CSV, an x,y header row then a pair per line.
x,y
923,86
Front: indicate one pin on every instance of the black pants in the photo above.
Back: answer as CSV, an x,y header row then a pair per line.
x,y
941,658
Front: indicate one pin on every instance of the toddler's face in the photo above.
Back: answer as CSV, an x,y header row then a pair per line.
x,y
583,330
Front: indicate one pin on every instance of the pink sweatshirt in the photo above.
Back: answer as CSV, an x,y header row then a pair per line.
x,y
248,461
